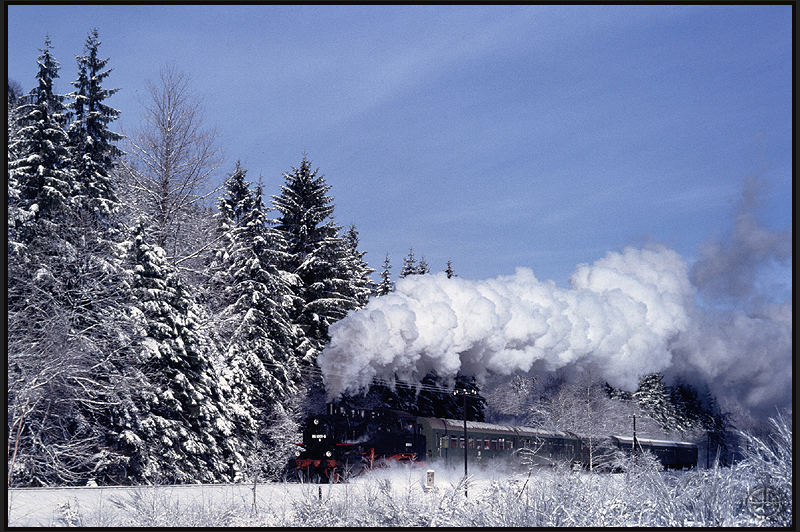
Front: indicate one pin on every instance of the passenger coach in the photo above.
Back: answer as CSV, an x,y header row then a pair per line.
x,y
445,440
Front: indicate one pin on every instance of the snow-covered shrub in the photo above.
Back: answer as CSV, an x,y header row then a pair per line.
x,y
768,463
69,514
148,507
712,497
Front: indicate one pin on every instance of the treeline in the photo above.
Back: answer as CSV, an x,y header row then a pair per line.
x,y
161,329
152,338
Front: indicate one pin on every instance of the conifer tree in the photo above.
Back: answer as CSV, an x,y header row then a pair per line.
x,y
65,315
16,216
313,251
233,208
256,331
449,270
179,428
409,265
93,150
385,286
653,398
357,269
42,167
422,267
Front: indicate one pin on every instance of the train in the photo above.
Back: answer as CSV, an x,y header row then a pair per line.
x,y
345,441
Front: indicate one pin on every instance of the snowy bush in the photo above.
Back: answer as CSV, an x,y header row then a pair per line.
x,y
768,462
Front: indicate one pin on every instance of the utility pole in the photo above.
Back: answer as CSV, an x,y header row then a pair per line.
x,y
463,393
589,427
466,443
633,453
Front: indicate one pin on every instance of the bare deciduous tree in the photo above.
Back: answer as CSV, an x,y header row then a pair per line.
x,y
168,166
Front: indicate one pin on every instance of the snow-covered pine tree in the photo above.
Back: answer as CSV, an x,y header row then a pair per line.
x,y
653,398
39,188
409,265
699,412
179,427
41,168
313,251
449,270
258,340
357,269
15,215
93,150
385,286
422,267
233,207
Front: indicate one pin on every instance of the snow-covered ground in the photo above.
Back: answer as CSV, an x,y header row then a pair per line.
x,y
396,497
210,503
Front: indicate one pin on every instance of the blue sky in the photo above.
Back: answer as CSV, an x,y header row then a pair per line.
x,y
495,136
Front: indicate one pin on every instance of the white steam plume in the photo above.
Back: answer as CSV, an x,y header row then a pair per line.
x,y
628,314
619,315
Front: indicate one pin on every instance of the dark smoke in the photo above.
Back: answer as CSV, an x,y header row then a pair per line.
x,y
728,269
740,342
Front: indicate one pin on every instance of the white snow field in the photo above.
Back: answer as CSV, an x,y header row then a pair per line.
x,y
396,497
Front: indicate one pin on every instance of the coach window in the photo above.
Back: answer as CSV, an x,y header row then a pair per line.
x,y
486,444
501,444
509,444
461,443
443,442
453,442
494,445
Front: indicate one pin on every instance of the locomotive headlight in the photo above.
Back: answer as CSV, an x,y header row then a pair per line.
x,y
297,453
316,421
328,454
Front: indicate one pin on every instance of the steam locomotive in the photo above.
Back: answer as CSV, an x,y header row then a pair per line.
x,y
346,441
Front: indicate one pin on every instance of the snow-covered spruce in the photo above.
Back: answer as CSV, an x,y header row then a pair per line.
x,y
180,427
316,254
92,143
255,335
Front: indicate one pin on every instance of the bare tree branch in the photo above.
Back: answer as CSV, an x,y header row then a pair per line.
x,y
168,168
